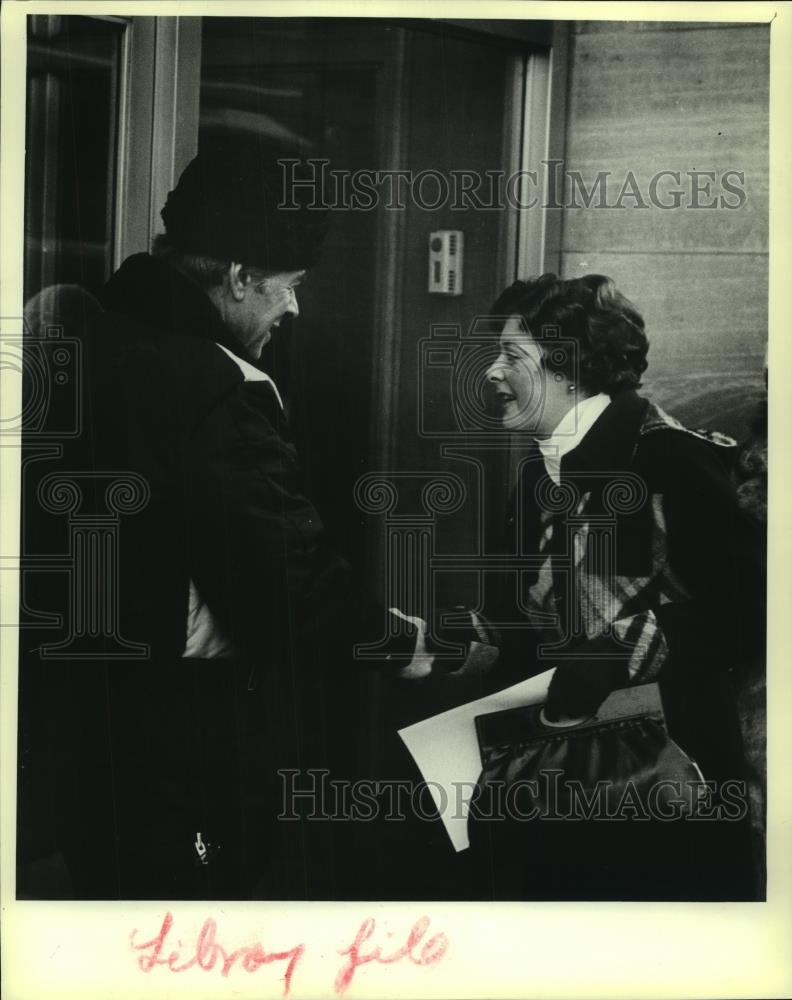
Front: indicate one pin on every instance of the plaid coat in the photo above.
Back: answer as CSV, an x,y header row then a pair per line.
x,y
643,568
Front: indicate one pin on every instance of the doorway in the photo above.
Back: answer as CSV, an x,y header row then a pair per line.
x,y
382,98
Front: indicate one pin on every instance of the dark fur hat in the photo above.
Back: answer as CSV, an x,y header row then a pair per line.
x,y
226,206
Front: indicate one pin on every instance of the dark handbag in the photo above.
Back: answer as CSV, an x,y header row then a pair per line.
x,y
620,763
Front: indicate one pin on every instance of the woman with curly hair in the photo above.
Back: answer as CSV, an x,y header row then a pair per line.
x,y
638,568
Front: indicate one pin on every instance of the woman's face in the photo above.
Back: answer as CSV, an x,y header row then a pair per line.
x,y
531,398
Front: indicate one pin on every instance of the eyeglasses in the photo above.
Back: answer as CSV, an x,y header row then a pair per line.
x,y
270,283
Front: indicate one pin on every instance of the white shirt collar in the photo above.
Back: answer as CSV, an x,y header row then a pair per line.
x,y
571,429
252,374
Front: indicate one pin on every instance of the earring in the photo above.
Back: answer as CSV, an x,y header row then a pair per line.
x,y
571,387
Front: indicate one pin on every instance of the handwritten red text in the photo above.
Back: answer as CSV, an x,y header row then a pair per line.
x,y
208,954
356,954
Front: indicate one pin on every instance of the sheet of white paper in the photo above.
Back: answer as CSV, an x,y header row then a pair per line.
x,y
446,750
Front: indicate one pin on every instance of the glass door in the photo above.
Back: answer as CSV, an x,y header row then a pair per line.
x,y
112,119
73,72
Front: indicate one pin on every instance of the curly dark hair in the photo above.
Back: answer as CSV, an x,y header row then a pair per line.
x,y
608,331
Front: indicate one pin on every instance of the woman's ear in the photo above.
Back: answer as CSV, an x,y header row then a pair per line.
x,y
237,281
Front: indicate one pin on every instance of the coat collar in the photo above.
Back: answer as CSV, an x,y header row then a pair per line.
x,y
611,441
151,292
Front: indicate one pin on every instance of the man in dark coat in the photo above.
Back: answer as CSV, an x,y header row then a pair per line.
x,y
224,574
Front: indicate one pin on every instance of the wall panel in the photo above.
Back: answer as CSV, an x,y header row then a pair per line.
x,y
659,96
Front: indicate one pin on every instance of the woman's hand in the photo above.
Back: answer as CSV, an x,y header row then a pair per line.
x,y
579,687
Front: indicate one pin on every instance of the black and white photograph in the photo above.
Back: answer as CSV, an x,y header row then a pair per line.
x,y
390,437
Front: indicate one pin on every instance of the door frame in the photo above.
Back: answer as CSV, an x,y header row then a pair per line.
x,y
535,116
158,119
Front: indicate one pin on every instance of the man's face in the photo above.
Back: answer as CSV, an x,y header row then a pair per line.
x,y
260,305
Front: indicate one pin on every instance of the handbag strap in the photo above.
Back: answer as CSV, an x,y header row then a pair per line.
x,y
521,725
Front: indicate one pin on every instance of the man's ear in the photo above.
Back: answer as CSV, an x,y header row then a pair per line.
x,y
237,281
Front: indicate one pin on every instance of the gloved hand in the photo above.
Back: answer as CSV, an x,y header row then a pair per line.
x,y
579,687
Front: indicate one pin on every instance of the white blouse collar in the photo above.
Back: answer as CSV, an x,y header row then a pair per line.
x,y
571,429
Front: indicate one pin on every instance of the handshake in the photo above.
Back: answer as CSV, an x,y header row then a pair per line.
x,y
451,647
463,642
